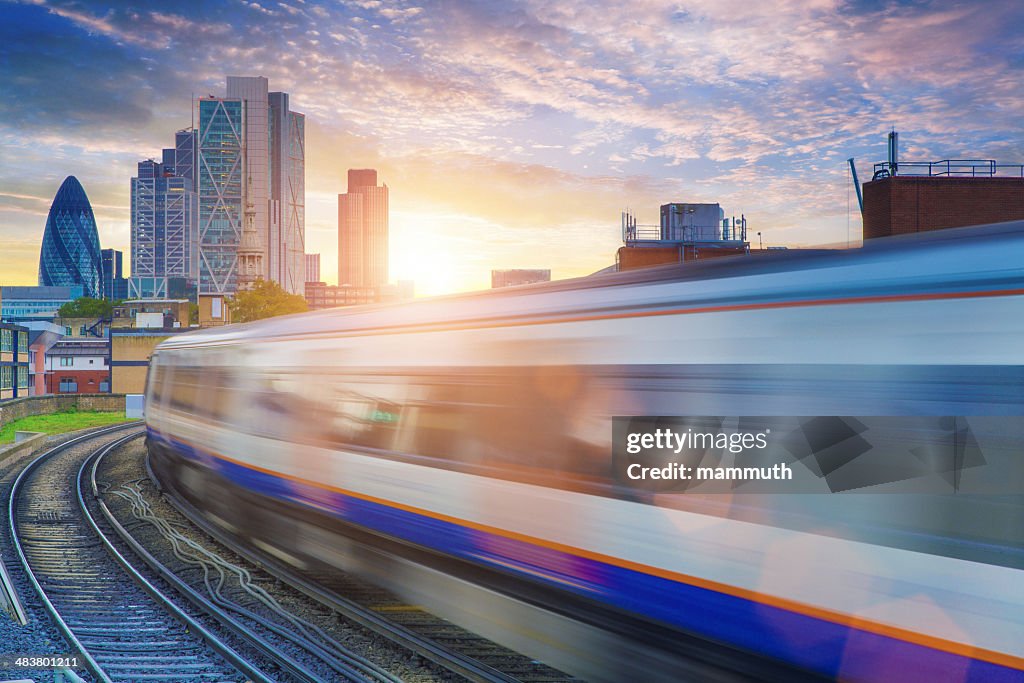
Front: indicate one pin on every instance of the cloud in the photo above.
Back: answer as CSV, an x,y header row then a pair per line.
x,y
517,124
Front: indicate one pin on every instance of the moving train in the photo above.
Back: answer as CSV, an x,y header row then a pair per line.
x,y
458,451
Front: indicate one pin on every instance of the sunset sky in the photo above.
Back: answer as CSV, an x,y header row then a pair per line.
x,y
512,134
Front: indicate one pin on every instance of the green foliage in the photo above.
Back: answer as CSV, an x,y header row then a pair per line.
x,y
265,300
88,307
193,314
58,423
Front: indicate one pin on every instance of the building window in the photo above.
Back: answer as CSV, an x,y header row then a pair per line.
x,y
67,331
22,376
66,361
6,377
104,387
91,361
68,385
22,341
6,340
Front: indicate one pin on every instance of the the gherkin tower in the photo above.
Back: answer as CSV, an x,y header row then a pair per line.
x,y
71,245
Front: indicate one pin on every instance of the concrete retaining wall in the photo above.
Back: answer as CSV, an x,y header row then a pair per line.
x,y
17,408
27,444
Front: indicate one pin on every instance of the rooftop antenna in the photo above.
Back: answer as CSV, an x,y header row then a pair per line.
x,y
894,152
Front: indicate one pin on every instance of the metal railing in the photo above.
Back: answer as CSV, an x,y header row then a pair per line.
x,y
960,168
679,233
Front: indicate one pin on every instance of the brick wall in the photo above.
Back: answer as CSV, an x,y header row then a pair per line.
x,y
905,204
40,405
629,258
88,380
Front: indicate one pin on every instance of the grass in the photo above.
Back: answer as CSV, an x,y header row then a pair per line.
x,y
58,423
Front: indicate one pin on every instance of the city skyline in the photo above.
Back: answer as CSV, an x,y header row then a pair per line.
x,y
514,132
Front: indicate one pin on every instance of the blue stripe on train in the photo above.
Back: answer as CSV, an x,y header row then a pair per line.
x,y
805,641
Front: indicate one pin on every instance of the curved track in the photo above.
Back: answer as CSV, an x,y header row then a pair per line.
x,y
124,628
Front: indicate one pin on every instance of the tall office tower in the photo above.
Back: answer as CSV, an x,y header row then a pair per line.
x,y
251,150
114,285
287,242
312,267
363,231
70,253
185,155
164,210
220,185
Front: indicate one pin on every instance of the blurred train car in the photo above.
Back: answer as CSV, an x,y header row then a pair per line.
x,y
457,450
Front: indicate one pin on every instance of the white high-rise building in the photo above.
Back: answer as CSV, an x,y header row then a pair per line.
x,y
287,244
257,147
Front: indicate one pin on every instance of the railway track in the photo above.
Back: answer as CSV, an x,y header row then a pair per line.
x,y
119,624
308,653
461,653
123,622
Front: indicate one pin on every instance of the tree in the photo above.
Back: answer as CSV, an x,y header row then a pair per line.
x,y
88,307
266,299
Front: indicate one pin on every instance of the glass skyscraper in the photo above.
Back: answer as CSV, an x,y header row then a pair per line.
x,y
164,210
220,183
287,229
114,285
70,253
250,150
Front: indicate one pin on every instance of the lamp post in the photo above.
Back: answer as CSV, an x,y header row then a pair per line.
x,y
760,244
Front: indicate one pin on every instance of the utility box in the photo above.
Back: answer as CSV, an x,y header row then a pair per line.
x,y
134,406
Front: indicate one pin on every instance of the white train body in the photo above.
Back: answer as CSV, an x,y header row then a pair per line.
x,y
475,431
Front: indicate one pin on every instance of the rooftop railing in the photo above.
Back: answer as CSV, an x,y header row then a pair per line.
x,y
960,168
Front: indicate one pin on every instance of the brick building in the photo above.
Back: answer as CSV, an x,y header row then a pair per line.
x,y
904,204
78,366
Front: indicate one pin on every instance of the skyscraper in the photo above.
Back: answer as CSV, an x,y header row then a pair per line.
x,y
287,243
251,150
114,286
220,185
363,231
70,253
164,209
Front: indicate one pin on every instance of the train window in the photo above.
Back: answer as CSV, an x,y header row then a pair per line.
x,y
185,389
274,406
214,394
156,379
522,423
355,411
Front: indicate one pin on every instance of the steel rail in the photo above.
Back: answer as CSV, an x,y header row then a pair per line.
x,y
267,649
12,520
453,661
90,651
